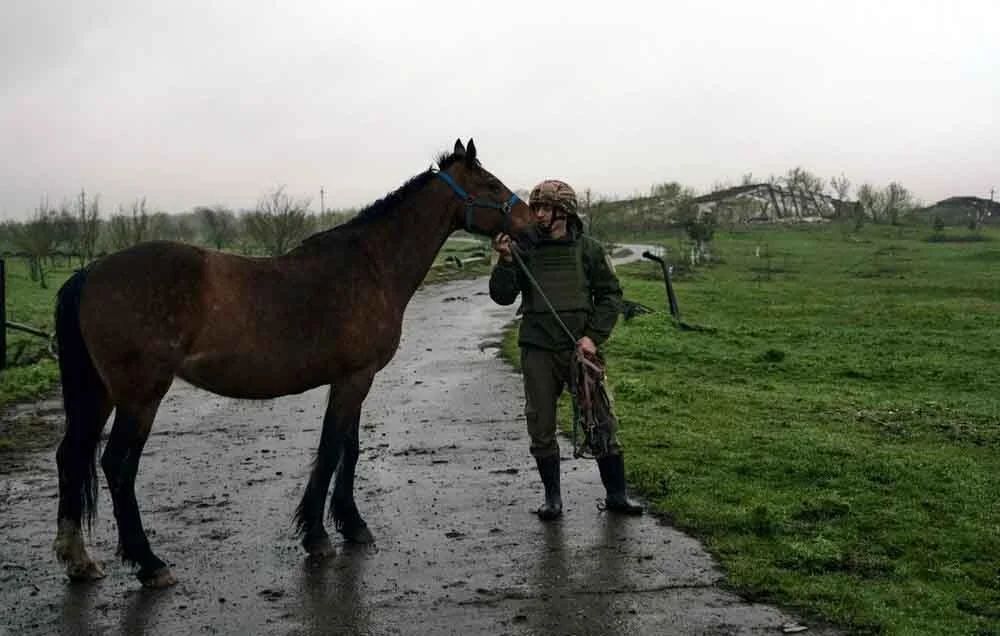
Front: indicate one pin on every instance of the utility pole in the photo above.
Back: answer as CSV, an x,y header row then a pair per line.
x,y
322,204
82,227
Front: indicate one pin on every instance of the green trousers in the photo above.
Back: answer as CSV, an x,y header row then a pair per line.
x,y
546,374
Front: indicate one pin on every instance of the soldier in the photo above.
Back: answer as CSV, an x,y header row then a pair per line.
x,y
578,278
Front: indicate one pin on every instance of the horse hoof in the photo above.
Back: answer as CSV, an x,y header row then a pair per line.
x,y
161,579
320,549
358,534
88,571
549,513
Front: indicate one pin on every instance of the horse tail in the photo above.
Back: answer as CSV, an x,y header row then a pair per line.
x,y
83,394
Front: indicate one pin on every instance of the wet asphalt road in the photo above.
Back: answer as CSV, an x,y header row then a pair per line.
x,y
445,483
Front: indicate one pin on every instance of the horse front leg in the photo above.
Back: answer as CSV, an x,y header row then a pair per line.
x,y
345,513
309,514
340,426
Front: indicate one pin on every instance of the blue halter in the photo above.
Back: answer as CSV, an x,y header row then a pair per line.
x,y
479,202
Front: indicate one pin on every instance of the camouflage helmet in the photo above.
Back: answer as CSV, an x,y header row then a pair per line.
x,y
555,193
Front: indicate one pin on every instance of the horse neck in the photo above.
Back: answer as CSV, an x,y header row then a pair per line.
x,y
420,230
405,242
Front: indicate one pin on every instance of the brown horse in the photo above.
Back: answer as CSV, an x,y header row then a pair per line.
x,y
329,312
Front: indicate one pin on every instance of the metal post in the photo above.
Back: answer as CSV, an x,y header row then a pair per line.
x,y
3,314
671,297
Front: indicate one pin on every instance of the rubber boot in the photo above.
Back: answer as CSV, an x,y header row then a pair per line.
x,y
548,468
612,469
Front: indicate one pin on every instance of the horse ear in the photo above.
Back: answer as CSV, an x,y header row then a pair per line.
x,y
470,152
459,148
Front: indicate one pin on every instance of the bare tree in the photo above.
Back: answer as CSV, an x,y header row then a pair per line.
x,y
218,225
37,238
801,184
597,218
844,208
170,227
88,225
65,227
896,202
804,181
9,231
279,221
595,212
981,210
841,186
130,225
869,201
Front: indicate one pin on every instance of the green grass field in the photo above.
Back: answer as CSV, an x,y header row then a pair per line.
x,y
835,437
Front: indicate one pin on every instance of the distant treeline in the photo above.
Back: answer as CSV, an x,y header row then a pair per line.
x,y
77,230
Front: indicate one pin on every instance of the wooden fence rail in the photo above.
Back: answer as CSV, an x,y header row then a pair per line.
x,y
13,326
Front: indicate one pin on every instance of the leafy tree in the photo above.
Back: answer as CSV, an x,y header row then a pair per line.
x,y
699,225
669,190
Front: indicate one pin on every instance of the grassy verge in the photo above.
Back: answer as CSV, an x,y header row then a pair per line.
x,y
835,440
446,269
30,372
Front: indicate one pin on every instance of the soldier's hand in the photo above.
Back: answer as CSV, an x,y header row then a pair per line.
x,y
586,345
501,243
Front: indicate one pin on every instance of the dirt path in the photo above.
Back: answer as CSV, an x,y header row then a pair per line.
x,y
445,482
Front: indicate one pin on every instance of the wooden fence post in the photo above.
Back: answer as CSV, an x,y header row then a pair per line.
x,y
3,314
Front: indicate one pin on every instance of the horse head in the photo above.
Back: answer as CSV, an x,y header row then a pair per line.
x,y
490,207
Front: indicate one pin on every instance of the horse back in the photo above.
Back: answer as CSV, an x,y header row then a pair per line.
x,y
139,310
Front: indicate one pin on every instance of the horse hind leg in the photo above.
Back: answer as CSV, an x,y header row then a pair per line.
x,y
87,407
76,463
120,462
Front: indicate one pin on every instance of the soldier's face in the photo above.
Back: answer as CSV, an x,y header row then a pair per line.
x,y
548,220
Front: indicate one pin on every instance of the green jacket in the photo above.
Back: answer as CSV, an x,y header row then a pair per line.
x,y
578,278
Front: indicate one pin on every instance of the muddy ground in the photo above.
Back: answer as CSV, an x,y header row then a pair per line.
x,y
445,482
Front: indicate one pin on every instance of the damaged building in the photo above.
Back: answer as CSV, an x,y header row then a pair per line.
x,y
768,203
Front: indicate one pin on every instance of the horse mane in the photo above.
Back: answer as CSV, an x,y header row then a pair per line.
x,y
383,206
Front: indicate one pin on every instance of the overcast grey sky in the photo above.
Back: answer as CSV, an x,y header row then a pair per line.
x,y
189,104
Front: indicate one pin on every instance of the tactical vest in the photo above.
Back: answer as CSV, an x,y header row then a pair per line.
x,y
559,269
